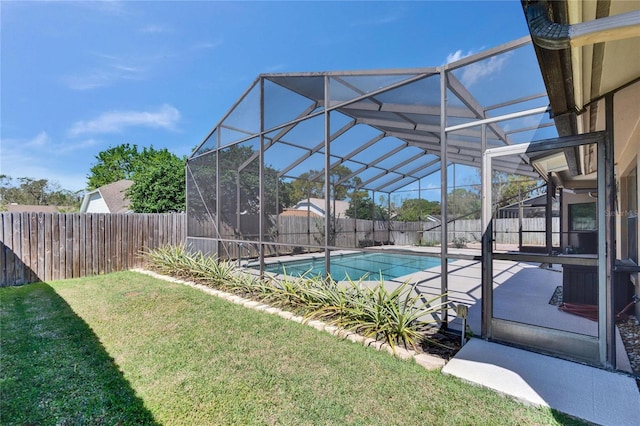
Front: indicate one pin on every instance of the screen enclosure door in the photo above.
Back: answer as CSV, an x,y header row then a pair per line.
x,y
524,284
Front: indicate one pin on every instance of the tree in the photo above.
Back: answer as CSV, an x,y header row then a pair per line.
x,y
158,184
116,163
36,192
415,209
158,177
464,204
362,206
303,188
509,188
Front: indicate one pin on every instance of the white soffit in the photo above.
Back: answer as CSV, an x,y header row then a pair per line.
x,y
596,73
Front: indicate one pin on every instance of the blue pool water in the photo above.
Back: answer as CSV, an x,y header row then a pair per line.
x,y
356,266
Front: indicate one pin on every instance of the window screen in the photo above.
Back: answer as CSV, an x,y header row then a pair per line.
x,y
582,217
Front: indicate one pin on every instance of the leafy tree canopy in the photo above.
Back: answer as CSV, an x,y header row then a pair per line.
x,y
463,203
116,163
158,186
415,209
303,188
158,176
509,188
362,206
36,192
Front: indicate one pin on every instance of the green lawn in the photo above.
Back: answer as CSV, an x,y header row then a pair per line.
x,y
126,348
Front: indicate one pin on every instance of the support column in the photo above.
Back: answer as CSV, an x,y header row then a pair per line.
x,y
548,217
610,226
218,201
261,208
327,179
388,220
520,212
487,232
444,270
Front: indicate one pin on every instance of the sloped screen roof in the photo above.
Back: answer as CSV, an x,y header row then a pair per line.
x,y
386,125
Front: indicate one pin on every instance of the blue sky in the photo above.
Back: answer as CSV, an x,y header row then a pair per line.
x,y
80,77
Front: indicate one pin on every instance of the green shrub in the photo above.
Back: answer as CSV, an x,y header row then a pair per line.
x,y
460,242
179,262
400,316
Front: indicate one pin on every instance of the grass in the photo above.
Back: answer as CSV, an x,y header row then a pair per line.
x,y
126,348
399,316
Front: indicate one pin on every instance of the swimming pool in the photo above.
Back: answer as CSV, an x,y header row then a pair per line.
x,y
357,266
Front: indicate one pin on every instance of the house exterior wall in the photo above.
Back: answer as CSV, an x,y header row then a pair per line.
x,y
627,163
96,204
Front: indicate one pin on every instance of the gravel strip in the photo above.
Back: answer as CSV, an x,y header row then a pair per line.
x,y
630,333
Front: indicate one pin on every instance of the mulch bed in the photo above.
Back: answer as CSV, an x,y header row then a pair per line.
x,y
442,343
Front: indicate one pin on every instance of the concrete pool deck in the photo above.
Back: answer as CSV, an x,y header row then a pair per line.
x,y
592,394
522,292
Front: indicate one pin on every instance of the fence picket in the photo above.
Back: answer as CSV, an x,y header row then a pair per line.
x,y
41,247
3,256
68,245
10,257
27,252
18,271
62,241
107,243
82,244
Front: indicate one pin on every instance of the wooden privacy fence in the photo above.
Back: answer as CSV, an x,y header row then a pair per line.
x,y
352,232
292,233
51,246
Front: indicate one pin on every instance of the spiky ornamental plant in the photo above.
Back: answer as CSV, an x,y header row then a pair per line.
x,y
399,316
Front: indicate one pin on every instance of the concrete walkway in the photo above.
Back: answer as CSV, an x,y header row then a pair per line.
x,y
521,293
589,393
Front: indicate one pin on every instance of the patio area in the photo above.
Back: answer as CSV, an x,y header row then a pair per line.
x,y
423,160
523,291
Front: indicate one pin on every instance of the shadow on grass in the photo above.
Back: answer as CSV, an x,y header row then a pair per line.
x,y
54,368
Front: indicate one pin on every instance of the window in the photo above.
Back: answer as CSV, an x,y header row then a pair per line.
x,y
582,217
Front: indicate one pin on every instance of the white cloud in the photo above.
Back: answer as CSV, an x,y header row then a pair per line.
x,y
154,29
474,72
207,45
39,141
72,147
165,117
24,147
109,7
456,56
39,158
105,76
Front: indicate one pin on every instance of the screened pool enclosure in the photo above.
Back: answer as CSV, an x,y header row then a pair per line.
x,y
310,164
317,166
313,162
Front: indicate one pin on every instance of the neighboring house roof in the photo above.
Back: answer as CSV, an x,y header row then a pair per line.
x,y
537,201
32,208
431,218
316,207
109,198
299,213
529,205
